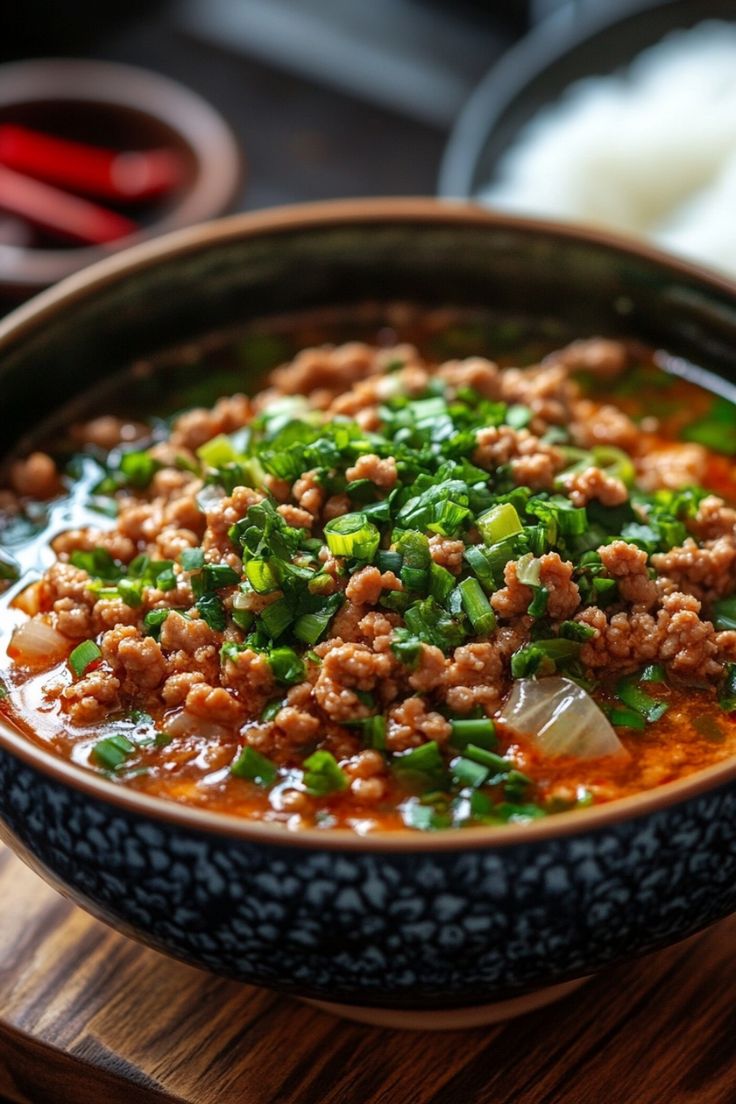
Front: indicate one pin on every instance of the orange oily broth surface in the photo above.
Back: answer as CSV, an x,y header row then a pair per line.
x,y
193,768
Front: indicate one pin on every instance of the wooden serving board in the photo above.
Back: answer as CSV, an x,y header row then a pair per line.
x,y
88,1017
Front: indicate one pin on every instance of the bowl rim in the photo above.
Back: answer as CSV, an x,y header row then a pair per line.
x,y
87,283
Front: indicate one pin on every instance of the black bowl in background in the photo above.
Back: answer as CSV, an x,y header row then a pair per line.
x,y
420,929
536,72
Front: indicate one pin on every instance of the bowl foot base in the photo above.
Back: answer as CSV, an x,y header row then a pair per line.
x,y
451,1019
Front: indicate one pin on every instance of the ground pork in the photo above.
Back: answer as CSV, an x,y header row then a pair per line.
x,y
714,519
555,575
185,634
601,424
345,669
382,473
592,483
309,492
429,672
545,389
676,636
107,431
482,375
533,463
412,723
297,724
367,585
447,553
672,467
689,646
707,573
295,516
225,513
136,660
335,506
36,476
214,703
627,564
119,546
92,698
195,427
327,368
368,776
176,687
249,674
474,678
601,356
376,629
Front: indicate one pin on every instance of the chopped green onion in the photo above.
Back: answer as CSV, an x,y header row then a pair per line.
x,y
632,695
261,576
477,606
518,416
192,559
479,731
466,772
112,751
487,758
499,522
627,718
255,767
286,665
138,468
727,696
277,617
212,611
420,768
217,576
98,563
653,673
724,613
441,582
323,775
217,452
130,592
352,535
576,630
83,656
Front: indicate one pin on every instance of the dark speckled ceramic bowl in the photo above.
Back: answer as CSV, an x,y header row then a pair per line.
x,y
459,927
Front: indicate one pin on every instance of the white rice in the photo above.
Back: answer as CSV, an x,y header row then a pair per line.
x,y
650,151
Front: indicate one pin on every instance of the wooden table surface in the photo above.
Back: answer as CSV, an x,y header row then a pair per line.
x,y
88,1017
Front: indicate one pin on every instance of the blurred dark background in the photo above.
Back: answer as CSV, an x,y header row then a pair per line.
x,y
328,98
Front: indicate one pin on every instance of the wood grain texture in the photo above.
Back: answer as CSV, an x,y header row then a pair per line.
x,y
86,1016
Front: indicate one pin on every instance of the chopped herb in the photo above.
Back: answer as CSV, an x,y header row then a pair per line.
x,y
632,695
192,559
287,667
352,535
84,656
724,613
478,731
477,607
499,523
138,469
323,775
250,764
112,751
212,611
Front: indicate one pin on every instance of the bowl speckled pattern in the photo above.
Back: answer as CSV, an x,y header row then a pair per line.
x,y
412,923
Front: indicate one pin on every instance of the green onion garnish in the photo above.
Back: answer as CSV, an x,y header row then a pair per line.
x,y
83,656
480,731
724,613
467,772
217,452
255,767
192,559
323,775
286,665
352,535
477,606
727,695
499,522
112,751
632,695
627,718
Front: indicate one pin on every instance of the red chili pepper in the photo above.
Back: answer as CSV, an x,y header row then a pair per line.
x,y
63,215
126,177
